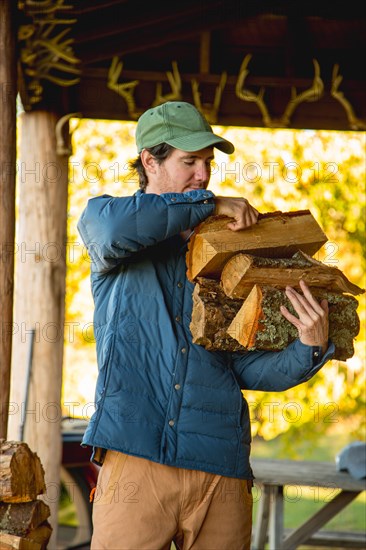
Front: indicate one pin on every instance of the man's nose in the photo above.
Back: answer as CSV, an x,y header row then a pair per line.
x,y
202,172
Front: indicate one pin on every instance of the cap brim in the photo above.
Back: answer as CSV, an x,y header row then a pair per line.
x,y
200,140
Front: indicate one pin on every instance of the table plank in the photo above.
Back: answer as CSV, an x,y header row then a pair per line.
x,y
301,472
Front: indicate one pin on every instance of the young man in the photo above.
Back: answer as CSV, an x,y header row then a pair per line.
x,y
171,426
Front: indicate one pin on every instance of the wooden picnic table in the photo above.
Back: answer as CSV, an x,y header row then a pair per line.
x,y
271,476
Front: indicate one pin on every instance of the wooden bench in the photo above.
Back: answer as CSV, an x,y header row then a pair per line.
x,y
271,476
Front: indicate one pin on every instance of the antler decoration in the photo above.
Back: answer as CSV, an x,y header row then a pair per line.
x,y
175,84
63,148
312,94
126,90
354,122
208,110
42,51
246,95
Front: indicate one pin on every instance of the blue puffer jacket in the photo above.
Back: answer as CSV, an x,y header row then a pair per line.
x,y
158,395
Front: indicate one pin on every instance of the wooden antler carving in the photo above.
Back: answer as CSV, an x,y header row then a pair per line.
x,y
125,90
354,122
210,111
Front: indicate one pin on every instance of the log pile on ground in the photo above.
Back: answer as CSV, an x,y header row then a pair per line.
x,y
240,280
23,516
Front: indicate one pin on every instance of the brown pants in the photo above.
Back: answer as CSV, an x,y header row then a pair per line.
x,y
142,505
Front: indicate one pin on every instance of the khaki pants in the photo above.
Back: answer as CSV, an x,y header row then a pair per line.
x,y
142,505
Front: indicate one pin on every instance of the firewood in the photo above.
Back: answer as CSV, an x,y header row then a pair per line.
x,y
259,324
276,234
243,271
12,542
23,517
21,473
36,539
41,534
212,313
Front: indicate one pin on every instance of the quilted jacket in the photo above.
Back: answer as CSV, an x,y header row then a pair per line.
x,y
158,395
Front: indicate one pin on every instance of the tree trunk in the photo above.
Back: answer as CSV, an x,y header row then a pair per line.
x,y
40,297
8,88
243,271
275,235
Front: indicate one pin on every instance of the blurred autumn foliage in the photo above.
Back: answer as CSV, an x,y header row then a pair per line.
x,y
323,171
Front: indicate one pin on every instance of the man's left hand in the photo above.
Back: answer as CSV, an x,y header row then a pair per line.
x,y
312,321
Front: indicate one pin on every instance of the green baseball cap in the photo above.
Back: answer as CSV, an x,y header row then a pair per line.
x,y
180,125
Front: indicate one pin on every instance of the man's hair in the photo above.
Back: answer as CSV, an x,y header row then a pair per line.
x,y
160,152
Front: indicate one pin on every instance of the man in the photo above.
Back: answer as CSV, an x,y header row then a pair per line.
x,y
171,426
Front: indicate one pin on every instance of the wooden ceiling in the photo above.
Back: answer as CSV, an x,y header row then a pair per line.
x,y
297,64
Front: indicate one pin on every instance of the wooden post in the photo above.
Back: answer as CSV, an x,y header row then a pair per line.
x,y
8,92
39,297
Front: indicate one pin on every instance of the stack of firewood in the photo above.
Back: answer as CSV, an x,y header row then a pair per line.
x,y
23,516
240,280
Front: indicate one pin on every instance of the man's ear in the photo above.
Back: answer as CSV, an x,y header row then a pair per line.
x,y
148,161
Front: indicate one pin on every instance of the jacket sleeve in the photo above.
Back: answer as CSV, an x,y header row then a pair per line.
x,y
114,228
279,371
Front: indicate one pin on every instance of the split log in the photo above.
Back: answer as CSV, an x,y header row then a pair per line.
x,y
35,540
259,324
21,473
12,542
276,234
41,535
243,271
212,313
22,518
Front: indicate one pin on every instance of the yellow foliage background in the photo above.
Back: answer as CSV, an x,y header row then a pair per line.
x,y
323,171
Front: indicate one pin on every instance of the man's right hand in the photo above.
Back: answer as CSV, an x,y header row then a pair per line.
x,y
243,213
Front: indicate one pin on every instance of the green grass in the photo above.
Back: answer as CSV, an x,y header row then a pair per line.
x,y
66,511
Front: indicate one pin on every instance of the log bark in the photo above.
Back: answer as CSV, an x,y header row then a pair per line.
x,y
277,234
21,473
243,271
259,324
22,518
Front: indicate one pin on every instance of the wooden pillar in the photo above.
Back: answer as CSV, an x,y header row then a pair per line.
x,y
8,92
39,297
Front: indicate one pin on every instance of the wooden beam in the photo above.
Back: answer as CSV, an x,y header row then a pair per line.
x,y
205,53
40,294
8,91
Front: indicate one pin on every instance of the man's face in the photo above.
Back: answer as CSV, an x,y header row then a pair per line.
x,y
181,172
